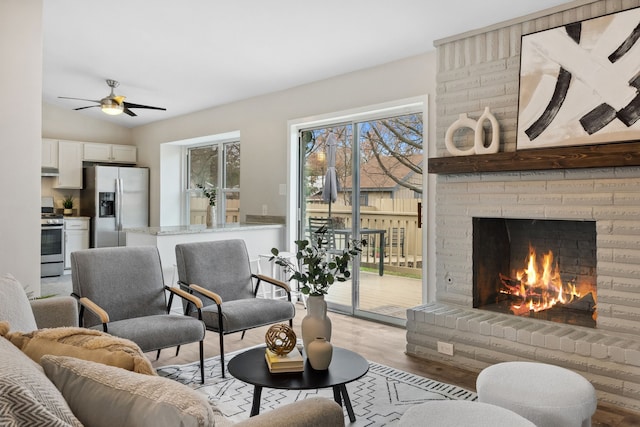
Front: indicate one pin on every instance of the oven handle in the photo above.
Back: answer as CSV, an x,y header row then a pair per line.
x,y
52,227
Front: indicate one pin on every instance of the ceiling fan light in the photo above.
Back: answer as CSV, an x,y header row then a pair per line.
x,y
111,107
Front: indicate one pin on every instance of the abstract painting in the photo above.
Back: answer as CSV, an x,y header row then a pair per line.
x,y
580,83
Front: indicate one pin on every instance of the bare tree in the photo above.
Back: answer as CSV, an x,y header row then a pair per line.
x,y
401,139
394,145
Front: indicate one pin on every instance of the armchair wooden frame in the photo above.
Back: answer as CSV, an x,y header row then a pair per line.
x,y
88,304
218,300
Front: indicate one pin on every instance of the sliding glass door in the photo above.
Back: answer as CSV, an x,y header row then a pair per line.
x,y
364,178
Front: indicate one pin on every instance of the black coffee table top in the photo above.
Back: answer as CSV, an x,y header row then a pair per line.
x,y
251,367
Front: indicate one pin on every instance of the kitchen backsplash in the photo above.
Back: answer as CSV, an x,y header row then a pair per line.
x,y
48,190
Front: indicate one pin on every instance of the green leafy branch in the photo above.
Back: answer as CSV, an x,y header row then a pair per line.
x,y
209,192
318,269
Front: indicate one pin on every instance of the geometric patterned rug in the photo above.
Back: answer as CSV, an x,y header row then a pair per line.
x,y
379,398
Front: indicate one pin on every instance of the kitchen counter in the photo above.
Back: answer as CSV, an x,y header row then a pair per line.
x,y
259,238
200,228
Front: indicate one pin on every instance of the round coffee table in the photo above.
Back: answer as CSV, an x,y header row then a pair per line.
x,y
346,366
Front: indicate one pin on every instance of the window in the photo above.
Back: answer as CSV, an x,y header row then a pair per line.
x,y
215,165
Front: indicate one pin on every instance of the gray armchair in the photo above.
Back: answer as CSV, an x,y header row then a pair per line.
x,y
121,291
219,272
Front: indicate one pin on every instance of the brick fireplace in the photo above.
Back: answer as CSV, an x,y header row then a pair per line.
x,y
479,69
608,355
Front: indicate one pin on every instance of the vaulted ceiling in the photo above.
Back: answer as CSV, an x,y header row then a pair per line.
x,y
190,55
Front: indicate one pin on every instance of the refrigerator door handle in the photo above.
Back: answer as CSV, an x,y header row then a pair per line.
x,y
118,204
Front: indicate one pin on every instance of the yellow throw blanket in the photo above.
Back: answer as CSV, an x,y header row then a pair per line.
x,y
87,344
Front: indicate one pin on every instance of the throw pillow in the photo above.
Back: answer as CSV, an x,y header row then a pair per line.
x,y
104,396
87,344
27,397
14,305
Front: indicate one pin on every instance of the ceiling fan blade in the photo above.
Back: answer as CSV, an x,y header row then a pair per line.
x,y
81,99
129,112
82,108
130,105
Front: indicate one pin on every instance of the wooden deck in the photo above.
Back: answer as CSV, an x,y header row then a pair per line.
x,y
388,295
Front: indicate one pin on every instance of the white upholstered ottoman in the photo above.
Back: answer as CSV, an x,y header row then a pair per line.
x,y
547,395
461,413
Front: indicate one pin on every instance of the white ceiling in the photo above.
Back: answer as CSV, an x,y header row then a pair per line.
x,y
191,55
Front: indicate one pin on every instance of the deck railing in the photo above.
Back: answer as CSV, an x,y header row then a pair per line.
x,y
399,220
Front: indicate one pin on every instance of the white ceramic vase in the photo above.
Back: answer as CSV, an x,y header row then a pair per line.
x,y
315,323
211,216
479,143
319,354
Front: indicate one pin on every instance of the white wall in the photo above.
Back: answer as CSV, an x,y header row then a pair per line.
x,y
60,123
20,139
262,122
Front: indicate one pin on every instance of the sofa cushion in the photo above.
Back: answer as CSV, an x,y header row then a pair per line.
x,y
84,344
14,305
93,390
27,397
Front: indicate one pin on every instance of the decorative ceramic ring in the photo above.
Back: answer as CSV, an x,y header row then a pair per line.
x,y
462,122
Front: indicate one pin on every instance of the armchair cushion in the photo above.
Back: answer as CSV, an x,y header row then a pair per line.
x,y
244,314
14,305
157,332
84,344
93,391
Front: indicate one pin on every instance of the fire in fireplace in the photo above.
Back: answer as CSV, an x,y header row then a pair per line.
x,y
544,269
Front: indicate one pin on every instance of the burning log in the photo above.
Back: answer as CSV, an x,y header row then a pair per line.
x,y
512,285
521,310
528,298
586,303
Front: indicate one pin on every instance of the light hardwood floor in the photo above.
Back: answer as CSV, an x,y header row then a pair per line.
x,y
378,343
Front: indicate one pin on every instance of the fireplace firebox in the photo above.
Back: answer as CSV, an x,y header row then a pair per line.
x,y
545,269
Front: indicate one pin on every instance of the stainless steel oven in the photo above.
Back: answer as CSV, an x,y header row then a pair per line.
x,y
51,240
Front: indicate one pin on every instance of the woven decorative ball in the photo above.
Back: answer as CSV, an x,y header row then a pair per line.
x,y
280,339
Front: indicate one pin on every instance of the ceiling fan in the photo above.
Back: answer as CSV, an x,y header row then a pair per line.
x,y
114,104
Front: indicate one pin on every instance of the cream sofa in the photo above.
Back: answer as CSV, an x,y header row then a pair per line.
x,y
64,390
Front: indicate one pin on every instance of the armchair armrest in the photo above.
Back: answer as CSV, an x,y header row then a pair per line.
x,y
55,312
207,293
95,309
185,295
272,281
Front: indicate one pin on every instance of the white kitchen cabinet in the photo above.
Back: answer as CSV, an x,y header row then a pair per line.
x,y
49,153
110,153
124,153
69,164
76,237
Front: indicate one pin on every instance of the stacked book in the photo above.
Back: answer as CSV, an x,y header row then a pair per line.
x,y
290,362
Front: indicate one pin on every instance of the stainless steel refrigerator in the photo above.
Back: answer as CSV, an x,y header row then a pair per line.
x,y
115,198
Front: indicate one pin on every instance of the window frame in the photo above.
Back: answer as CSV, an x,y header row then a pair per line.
x,y
221,203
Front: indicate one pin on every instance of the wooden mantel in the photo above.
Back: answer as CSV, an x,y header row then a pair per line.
x,y
584,156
